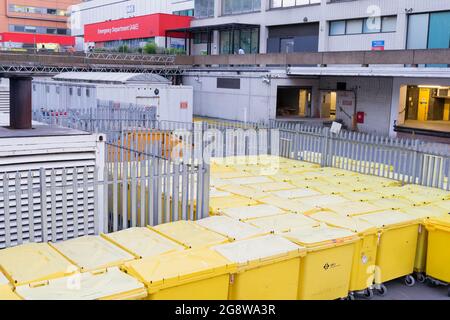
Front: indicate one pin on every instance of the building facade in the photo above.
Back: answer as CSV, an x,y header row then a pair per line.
x,y
150,15
270,26
27,24
380,101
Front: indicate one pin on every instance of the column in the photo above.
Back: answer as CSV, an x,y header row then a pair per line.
x,y
20,102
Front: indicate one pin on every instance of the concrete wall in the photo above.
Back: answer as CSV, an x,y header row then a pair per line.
x,y
255,101
373,97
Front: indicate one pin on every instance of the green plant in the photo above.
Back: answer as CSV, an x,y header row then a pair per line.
x,y
150,48
124,48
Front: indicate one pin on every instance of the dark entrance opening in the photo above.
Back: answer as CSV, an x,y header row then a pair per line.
x,y
294,102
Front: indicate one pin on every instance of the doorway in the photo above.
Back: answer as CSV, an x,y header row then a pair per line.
x,y
328,104
294,102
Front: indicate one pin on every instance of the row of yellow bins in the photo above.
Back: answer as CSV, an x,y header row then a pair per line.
x,y
391,220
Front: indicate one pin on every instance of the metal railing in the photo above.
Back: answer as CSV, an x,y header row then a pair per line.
x,y
164,59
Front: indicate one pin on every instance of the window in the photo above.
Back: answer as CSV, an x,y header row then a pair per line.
x,y
240,6
389,24
337,28
204,8
367,25
188,13
372,25
88,92
228,83
291,3
287,45
79,92
354,26
36,10
47,89
200,37
246,39
38,30
71,91
57,90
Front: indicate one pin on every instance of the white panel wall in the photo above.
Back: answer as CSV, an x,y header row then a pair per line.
x,y
255,101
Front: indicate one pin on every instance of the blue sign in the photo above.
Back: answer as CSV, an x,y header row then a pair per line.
x,y
378,45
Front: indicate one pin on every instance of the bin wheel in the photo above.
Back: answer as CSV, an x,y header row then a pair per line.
x,y
410,281
351,296
421,278
368,293
381,290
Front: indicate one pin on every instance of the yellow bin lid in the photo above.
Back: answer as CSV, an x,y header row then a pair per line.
x,y
218,204
443,204
316,238
283,222
288,204
189,234
92,253
388,218
425,211
178,268
296,193
271,186
336,220
111,284
142,242
244,191
230,228
249,180
391,203
441,221
252,212
323,201
33,262
260,250
351,208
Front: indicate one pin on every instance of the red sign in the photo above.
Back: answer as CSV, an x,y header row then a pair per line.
x,y
183,105
360,117
32,38
153,25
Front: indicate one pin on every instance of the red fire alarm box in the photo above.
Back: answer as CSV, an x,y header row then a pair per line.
x,y
360,117
183,105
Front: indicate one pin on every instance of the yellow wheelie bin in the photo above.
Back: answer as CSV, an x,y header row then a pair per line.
x,y
243,191
423,213
326,269
291,205
396,247
217,204
231,228
361,196
438,256
92,253
364,258
189,234
107,284
267,268
323,201
252,212
33,263
142,242
296,193
271,186
283,222
353,208
195,274
6,289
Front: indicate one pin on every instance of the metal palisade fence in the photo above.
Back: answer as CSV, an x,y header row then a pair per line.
x,y
157,172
